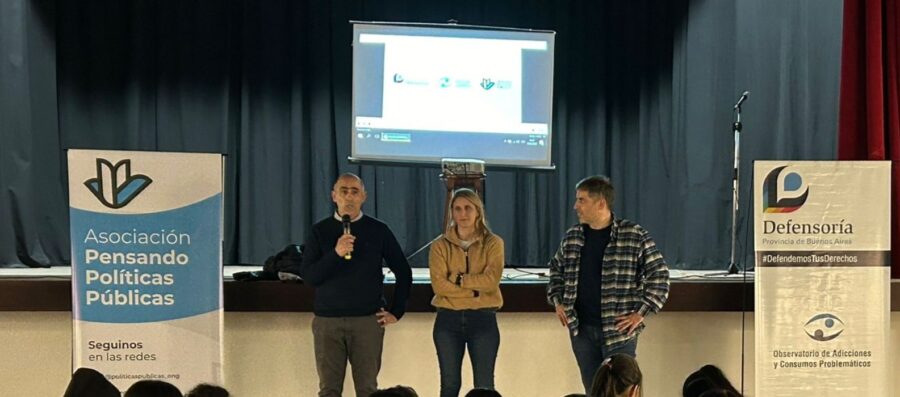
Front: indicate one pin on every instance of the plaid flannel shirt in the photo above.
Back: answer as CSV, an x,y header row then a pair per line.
x,y
635,277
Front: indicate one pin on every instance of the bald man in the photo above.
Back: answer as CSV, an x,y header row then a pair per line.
x,y
350,309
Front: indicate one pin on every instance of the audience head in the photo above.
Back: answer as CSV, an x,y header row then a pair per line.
x,y
694,387
618,376
707,378
396,391
152,388
207,390
483,393
720,393
575,395
87,382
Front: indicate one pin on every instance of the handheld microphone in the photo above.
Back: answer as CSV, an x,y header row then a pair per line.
x,y
345,220
744,97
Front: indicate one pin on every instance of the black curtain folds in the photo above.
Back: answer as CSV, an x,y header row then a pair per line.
x,y
643,92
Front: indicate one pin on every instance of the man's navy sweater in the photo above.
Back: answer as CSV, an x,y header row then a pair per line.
x,y
355,287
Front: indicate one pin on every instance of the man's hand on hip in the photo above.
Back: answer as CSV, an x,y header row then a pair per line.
x,y
385,318
627,323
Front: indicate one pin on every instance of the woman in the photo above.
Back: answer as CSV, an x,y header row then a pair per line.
x,y
466,264
618,376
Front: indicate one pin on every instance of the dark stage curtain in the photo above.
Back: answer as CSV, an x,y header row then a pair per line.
x,y
870,95
643,93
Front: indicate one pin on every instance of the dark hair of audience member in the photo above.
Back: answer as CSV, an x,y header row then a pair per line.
x,y
720,393
708,377
616,377
575,395
694,386
483,393
87,382
396,391
207,390
152,388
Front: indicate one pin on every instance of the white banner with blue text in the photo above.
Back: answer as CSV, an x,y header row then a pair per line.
x,y
822,238
146,231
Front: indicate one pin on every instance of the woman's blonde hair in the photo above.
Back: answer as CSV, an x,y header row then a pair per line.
x,y
481,225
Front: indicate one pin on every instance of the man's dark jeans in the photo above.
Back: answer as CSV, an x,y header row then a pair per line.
x,y
590,352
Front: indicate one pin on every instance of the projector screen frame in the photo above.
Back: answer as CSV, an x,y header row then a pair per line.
x,y
437,165
435,162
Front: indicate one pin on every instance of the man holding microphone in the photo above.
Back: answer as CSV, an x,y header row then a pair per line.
x,y
343,260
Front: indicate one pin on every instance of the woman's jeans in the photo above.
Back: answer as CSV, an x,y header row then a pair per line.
x,y
454,330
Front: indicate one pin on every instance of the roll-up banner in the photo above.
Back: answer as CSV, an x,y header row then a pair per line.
x,y
823,238
146,231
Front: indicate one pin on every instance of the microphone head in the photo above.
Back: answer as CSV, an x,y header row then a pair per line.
x,y
741,100
345,222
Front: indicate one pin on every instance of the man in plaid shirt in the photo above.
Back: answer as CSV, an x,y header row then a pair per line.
x,y
605,278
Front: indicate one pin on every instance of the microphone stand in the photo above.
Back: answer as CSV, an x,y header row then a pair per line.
x,y
735,183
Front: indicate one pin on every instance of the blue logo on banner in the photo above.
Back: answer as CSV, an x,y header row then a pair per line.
x,y
793,182
128,269
111,191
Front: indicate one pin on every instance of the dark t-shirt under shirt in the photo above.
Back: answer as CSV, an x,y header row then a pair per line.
x,y
590,275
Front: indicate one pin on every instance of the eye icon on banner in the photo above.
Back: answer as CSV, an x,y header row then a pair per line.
x,y
824,327
785,196
114,185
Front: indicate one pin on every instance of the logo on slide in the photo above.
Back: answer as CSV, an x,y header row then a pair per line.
x,y
824,327
785,196
114,185
445,82
398,78
487,84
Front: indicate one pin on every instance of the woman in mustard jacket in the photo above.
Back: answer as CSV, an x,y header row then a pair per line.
x,y
466,264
